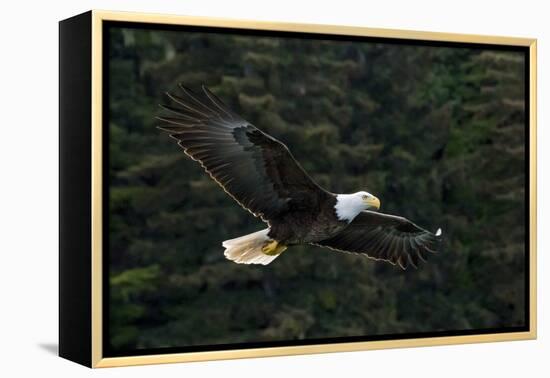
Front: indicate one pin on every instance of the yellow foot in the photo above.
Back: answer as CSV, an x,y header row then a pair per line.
x,y
273,248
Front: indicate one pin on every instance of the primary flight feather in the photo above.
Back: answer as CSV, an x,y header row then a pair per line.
x,y
260,173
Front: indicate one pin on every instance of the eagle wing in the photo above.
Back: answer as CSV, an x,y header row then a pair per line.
x,y
254,168
385,237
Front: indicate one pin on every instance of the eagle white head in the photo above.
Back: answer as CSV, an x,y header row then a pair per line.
x,y
348,206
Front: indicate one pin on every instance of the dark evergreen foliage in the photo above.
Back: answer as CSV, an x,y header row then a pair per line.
x,y
437,133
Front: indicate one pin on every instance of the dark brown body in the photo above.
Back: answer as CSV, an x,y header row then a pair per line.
x,y
309,220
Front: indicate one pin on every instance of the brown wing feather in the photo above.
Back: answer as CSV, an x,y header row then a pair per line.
x,y
385,237
255,169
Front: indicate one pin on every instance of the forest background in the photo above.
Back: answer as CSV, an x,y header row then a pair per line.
x,y
436,132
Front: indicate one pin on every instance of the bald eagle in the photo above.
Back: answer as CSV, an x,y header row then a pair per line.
x,y
259,172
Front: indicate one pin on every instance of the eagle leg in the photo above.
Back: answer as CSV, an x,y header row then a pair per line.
x,y
273,248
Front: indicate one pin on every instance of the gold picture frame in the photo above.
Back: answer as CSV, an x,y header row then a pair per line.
x,y
92,326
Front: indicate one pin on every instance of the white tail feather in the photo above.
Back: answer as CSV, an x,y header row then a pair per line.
x,y
247,249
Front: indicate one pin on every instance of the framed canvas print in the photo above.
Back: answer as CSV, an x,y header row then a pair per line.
x,y
235,189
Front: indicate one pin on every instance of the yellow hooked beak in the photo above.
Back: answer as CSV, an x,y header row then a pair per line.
x,y
372,202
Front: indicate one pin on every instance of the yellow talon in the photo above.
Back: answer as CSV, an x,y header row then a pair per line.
x,y
273,248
